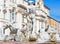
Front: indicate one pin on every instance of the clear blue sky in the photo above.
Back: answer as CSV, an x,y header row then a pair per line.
x,y
54,6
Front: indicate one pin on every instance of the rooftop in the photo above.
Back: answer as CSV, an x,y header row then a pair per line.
x,y
47,7
54,19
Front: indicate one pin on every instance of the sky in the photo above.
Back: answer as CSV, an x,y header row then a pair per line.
x,y
54,6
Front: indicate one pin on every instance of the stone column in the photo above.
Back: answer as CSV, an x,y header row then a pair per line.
x,y
34,23
37,26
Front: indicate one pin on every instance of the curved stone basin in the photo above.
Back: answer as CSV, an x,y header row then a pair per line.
x,y
57,37
44,37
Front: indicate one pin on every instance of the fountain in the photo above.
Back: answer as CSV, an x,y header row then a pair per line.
x,y
43,35
57,37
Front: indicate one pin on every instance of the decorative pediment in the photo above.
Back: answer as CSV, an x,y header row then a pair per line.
x,y
21,6
4,11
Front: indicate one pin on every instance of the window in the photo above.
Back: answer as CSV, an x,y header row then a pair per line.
x,y
14,1
4,3
4,16
12,14
7,3
4,13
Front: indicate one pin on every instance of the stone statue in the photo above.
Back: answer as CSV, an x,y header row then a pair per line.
x,y
57,37
31,12
43,35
